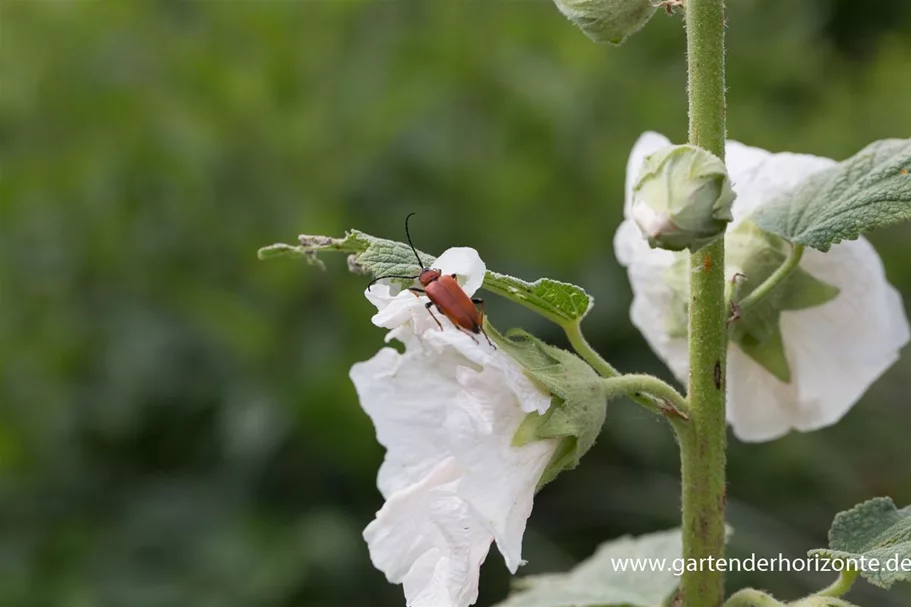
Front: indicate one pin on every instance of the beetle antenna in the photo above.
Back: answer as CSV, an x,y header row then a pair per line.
x,y
408,234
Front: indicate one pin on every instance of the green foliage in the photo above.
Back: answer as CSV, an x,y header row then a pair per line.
x,y
879,533
372,255
176,422
870,190
579,399
598,582
558,301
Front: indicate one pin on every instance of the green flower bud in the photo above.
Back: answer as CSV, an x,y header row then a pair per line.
x,y
610,21
682,198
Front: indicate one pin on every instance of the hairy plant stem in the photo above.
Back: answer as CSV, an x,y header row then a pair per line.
x,y
669,402
651,393
702,440
842,585
783,271
590,355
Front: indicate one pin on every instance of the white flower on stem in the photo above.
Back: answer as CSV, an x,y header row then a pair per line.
x,y
831,349
447,410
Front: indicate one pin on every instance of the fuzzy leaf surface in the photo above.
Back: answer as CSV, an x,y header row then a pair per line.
x,y
578,405
600,582
561,302
870,190
875,529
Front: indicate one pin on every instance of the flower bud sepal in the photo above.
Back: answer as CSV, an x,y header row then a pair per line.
x,y
682,198
608,21
578,399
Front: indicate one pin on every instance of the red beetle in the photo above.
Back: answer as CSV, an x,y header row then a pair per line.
x,y
445,293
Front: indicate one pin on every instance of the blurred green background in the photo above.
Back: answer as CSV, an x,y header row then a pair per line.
x,y
176,422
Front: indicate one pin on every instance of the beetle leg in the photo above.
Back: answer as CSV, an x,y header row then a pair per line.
x,y
468,333
428,305
417,293
480,302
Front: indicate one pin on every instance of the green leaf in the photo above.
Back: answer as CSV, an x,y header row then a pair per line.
x,y
373,255
877,532
872,189
600,580
579,399
560,302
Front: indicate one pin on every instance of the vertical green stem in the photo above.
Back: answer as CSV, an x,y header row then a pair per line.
x,y
702,442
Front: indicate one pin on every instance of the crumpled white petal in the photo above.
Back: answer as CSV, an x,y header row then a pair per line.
x,y
446,410
835,351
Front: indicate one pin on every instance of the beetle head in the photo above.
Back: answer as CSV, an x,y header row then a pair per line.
x,y
428,275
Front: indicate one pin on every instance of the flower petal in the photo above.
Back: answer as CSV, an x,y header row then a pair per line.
x,y
466,263
447,410
867,314
427,538
408,421
827,378
397,307
758,175
530,397
648,143
759,406
653,295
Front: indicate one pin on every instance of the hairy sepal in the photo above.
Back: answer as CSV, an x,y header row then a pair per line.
x,y
578,405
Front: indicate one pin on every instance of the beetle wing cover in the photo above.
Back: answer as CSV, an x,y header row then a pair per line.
x,y
455,303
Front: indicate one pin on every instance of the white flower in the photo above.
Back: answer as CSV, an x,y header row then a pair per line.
x,y
834,350
446,410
